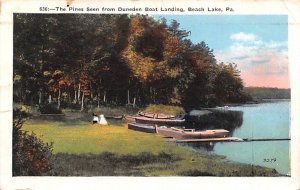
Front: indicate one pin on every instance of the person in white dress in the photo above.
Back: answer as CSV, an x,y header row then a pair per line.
x,y
95,118
102,120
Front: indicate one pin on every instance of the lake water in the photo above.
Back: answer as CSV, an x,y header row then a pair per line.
x,y
265,120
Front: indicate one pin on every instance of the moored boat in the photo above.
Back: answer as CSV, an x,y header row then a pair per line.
x,y
129,118
170,121
156,115
178,133
148,128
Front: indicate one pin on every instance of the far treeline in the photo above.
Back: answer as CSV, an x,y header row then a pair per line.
x,y
259,93
83,59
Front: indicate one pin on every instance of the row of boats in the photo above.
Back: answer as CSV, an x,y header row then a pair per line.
x,y
157,123
155,118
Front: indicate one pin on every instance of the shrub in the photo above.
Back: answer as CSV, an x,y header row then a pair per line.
x,y
195,172
50,109
70,105
31,156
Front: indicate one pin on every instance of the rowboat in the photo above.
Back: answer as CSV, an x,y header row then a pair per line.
x,y
129,118
155,118
156,115
158,121
148,128
178,133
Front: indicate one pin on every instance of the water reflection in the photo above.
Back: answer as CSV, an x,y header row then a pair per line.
x,y
202,146
265,120
218,119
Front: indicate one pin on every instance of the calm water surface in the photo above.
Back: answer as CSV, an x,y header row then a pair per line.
x,y
265,120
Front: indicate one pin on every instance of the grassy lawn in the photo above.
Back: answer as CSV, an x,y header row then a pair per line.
x,y
88,138
83,149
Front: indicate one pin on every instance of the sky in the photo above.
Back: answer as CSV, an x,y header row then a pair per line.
x,y
256,43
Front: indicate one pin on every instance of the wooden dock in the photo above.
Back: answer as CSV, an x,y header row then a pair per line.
x,y
266,139
227,139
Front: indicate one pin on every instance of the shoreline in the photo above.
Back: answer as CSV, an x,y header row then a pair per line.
x,y
261,101
227,160
75,120
122,152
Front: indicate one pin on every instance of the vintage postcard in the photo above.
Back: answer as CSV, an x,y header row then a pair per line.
x,y
149,94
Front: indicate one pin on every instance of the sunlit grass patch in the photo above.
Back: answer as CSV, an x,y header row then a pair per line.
x,y
84,149
159,108
90,138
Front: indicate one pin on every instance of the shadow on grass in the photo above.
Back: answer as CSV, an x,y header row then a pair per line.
x,y
195,173
106,164
73,120
231,169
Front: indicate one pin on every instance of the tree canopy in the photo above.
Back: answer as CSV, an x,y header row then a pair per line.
x,y
72,59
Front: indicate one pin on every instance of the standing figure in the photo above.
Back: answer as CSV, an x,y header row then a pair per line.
x,y
102,120
95,118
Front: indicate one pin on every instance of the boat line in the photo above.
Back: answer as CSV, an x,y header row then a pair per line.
x,y
226,139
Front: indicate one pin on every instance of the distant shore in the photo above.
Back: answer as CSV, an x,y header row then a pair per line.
x,y
259,101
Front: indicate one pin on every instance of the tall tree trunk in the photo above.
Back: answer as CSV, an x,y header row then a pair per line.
x,y
79,86
104,97
151,93
154,95
40,96
41,68
91,88
70,97
50,99
128,97
133,102
75,97
58,99
98,99
82,102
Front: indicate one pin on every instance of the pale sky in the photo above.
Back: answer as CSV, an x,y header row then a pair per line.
x,y
256,43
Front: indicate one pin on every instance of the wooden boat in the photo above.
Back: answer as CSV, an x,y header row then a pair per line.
x,y
148,128
156,115
178,133
129,118
158,121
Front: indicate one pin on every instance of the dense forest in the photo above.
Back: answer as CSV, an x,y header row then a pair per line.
x,y
82,59
268,93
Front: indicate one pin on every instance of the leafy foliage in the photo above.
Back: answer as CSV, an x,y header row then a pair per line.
x,y
117,60
31,156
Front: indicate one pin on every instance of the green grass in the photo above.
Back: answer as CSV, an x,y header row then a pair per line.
x,y
88,138
83,149
154,108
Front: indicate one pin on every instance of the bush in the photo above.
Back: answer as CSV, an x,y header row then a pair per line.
x,y
31,156
70,105
49,109
195,172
